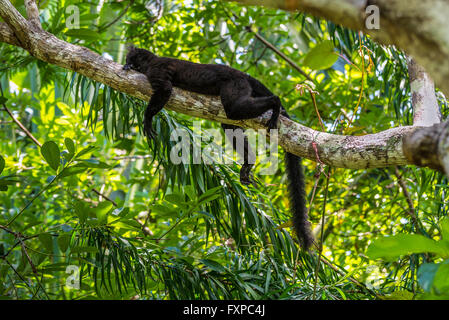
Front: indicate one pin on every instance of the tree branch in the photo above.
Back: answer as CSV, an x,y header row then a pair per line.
x,y
356,152
416,26
18,24
7,36
429,147
426,111
33,14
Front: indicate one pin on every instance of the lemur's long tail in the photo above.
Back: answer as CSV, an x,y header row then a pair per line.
x,y
298,202
297,195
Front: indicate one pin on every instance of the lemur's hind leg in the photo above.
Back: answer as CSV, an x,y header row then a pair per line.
x,y
240,143
162,87
239,104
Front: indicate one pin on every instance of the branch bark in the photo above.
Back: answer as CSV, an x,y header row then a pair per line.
x,y
33,14
356,152
426,111
418,27
7,36
429,147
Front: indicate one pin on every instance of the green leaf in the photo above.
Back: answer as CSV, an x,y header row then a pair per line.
x,y
426,275
64,241
51,154
127,224
92,163
124,212
81,211
2,164
85,150
67,156
433,276
84,249
175,198
441,279
47,240
72,171
83,34
211,194
70,145
3,100
102,210
163,210
404,244
322,56
444,225
399,295
50,268
213,265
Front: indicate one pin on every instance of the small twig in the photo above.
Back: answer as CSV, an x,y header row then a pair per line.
x,y
33,267
411,210
34,198
21,126
104,196
20,276
304,86
280,53
104,27
270,46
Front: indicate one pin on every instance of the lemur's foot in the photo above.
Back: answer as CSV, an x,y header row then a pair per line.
x,y
272,123
149,132
246,181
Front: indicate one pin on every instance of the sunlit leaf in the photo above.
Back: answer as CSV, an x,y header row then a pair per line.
x,y
50,152
322,56
404,244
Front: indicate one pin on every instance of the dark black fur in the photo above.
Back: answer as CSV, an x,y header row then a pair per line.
x,y
242,96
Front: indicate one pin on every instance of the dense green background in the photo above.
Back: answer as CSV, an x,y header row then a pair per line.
x,y
207,236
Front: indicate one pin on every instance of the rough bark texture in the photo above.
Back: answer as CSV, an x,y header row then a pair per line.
x,y
426,111
357,152
416,26
429,147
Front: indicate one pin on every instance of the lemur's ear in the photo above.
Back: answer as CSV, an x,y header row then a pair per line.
x,y
131,47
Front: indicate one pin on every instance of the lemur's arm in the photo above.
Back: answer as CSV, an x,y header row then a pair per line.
x,y
160,80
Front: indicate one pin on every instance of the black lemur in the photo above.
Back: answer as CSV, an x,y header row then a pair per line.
x,y
242,96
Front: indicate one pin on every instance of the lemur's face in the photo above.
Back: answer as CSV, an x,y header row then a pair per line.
x,y
132,62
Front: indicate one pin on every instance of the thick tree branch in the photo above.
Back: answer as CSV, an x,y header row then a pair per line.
x,y
7,36
357,152
33,14
416,26
429,147
18,24
426,111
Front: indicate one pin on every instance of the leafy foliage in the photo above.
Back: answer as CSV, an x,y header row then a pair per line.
x,y
96,212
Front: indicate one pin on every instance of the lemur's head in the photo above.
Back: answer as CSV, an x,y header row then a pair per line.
x,y
138,59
